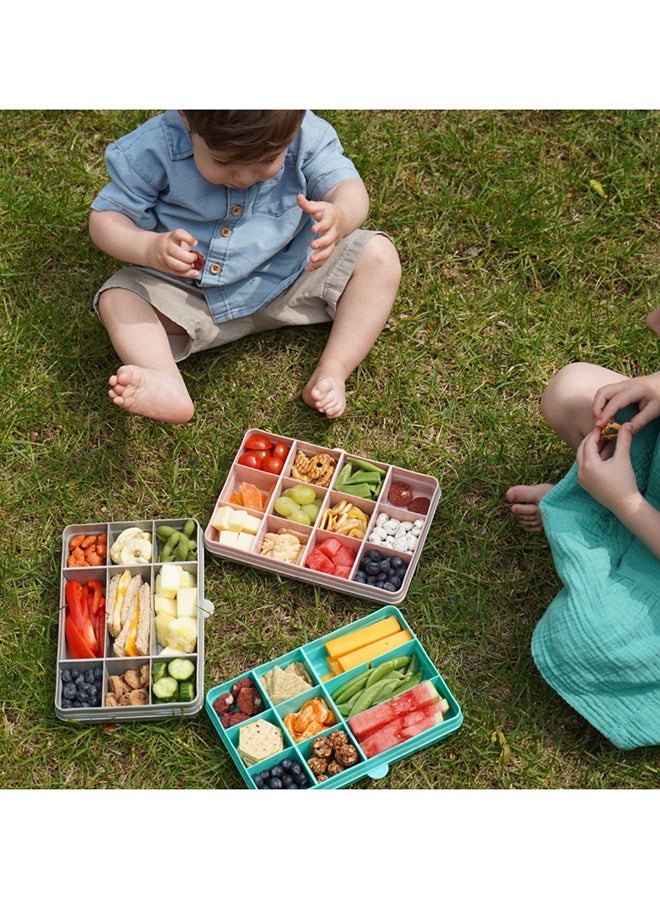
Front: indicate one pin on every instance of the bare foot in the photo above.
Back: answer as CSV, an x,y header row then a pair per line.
x,y
524,500
151,393
326,392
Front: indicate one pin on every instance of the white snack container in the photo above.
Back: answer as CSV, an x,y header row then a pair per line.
x,y
107,664
219,542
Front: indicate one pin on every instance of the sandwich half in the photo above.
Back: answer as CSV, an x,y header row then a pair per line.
x,y
129,615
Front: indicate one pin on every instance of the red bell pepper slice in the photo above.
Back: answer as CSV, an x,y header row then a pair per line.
x,y
76,596
76,643
96,601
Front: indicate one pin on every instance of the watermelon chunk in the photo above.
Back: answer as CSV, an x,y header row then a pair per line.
x,y
318,561
402,728
342,571
344,557
330,546
414,698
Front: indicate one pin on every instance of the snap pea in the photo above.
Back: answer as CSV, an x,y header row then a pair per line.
x,y
350,688
373,694
367,466
386,667
413,666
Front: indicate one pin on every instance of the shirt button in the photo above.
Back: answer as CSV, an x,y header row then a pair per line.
x,y
215,268
225,232
236,210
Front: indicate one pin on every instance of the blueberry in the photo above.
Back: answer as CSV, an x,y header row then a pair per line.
x,y
98,673
296,769
66,675
287,781
286,764
66,704
388,586
276,772
258,780
275,784
74,673
69,691
79,680
396,562
89,676
361,577
372,568
385,565
301,779
81,695
376,555
396,581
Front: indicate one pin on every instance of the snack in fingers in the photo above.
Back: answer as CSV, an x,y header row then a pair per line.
x,y
609,431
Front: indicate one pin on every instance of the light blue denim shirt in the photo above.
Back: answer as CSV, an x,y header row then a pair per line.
x,y
255,241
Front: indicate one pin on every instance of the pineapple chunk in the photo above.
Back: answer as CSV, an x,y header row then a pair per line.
x,y
187,579
181,634
186,602
161,623
170,579
166,604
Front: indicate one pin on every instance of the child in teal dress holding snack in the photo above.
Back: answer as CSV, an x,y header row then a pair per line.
x,y
598,643
234,222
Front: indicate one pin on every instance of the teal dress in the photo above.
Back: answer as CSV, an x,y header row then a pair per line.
x,y
598,643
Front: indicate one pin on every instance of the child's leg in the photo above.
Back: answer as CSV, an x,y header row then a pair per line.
x,y
566,406
149,383
361,314
653,320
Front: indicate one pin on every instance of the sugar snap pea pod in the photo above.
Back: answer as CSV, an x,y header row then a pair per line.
x,y
403,685
367,466
344,475
356,490
384,668
364,477
350,688
373,694
189,528
413,666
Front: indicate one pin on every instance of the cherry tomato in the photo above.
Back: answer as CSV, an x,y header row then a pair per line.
x,y
249,458
281,450
272,464
258,442
262,454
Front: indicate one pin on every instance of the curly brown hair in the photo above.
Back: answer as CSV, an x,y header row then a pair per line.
x,y
246,135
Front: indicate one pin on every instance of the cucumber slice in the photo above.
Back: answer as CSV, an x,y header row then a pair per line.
x,y
180,668
166,689
158,669
186,691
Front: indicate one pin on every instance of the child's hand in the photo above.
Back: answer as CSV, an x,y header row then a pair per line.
x,y
171,252
330,226
644,390
607,476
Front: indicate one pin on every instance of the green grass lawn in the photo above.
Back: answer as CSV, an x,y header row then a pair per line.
x,y
528,239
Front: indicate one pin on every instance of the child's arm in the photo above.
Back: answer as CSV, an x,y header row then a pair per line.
x,y
342,209
611,481
120,237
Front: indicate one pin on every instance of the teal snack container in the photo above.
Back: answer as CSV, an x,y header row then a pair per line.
x,y
269,717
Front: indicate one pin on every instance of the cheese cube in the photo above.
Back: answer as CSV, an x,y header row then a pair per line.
x,y
238,517
228,538
251,524
245,541
170,579
186,601
221,518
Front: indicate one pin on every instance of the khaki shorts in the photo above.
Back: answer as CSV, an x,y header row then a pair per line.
x,y
312,299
